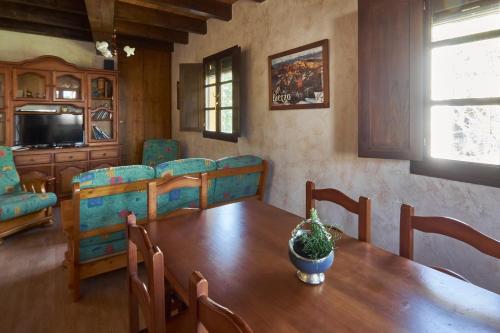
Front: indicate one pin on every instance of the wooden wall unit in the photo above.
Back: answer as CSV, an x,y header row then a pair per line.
x,y
145,99
50,80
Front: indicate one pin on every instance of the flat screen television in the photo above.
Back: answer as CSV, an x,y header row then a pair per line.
x,y
48,129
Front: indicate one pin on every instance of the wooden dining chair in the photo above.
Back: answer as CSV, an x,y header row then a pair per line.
x,y
203,314
209,315
444,226
362,208
158,187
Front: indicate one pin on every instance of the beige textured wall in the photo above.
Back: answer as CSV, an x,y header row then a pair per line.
x,y
321,145
17,46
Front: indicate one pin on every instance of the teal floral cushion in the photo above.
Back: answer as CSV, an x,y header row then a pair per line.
x,y
102,249
188,197
157,151
17,204
236,187
114,175
112,209
9,178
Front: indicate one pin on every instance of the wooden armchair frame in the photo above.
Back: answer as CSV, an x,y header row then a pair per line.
x,y
43,217
443,226
70,212
165,185
362,208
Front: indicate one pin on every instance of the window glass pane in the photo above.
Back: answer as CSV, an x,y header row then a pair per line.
x,y
470,70
226,69
466,133
210,121
210,73
226,121
227,95
466,25
210,97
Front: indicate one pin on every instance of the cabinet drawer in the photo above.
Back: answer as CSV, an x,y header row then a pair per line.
x,y
104,164
69,157
33,159
105,153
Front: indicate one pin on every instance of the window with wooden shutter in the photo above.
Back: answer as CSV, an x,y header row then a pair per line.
x,y
222,95
391,99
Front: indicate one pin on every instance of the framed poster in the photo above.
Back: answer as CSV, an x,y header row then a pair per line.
x,y
299,78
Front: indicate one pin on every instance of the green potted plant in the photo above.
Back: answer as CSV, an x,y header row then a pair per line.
x,y
311,248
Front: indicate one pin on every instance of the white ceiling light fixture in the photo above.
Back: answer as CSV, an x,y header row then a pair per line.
x,y
130,51
103,48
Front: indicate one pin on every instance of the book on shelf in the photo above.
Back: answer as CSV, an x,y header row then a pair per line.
x,y
99,134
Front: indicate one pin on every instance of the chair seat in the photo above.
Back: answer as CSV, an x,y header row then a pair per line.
x,y
22,203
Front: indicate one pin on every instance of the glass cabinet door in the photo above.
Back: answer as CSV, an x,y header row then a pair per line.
x,y
31,85
102,111
68,87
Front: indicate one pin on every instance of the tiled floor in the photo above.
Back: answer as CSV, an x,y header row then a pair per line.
x,y
33,289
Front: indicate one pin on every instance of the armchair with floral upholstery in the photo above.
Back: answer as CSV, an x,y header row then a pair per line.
x,y
23,203
157,151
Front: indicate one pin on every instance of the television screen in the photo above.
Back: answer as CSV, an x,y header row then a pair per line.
x,y
48,129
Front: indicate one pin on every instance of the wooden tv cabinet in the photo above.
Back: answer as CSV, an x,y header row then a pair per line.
x,y
64,164
50,85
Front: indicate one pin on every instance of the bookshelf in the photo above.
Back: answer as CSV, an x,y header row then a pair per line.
x,y
102,124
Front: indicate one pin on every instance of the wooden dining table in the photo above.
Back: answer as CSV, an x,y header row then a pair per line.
x,y
242,250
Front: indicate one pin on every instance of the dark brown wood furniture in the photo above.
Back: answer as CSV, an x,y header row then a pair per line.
x,y
149,299
443,226
68,89
65,163
203,314
362,208
160,186
208,314
241,248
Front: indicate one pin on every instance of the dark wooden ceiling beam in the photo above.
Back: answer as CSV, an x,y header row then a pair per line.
x,y
43,16
45,30
69,6
208,8
138,14
101,18
144,43
151,32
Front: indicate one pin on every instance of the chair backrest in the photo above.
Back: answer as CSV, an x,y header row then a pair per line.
x,y
239,177
362,208
9,178
149,299
101,202
168,184
156,151
212,316
444,226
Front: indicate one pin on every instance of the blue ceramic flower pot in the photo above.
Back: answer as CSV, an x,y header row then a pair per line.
x,y
310,271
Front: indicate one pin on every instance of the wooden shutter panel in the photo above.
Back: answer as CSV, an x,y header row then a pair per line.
x,y
391,70
190,97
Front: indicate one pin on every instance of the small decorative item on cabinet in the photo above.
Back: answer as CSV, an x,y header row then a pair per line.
x,y
311,249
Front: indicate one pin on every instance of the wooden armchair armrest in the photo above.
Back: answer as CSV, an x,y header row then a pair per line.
x,y
36,185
